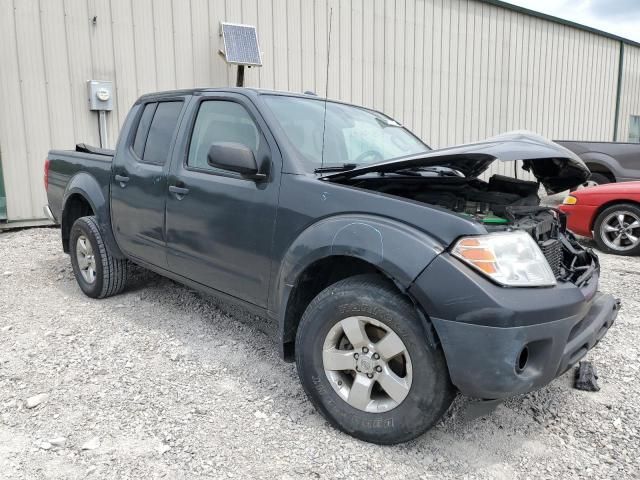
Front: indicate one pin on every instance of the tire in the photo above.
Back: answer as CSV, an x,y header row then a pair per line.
x,y
597,179
606,239
421,368
97,272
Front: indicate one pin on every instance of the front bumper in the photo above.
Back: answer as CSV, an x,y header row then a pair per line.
x,y
484,329
579,218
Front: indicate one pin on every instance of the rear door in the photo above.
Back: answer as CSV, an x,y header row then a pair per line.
x,y
139,181
219,224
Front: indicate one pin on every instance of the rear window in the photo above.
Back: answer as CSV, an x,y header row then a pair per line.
x,y
163,119
143,129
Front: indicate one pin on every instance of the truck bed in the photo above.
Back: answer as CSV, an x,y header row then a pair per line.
x,y
64,165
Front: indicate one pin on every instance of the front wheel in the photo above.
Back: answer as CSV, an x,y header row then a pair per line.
x,y
617,229
365,362
98,273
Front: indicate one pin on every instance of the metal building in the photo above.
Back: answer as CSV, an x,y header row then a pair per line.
x,y
451,70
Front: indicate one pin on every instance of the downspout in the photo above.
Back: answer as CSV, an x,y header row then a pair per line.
x,y
618,92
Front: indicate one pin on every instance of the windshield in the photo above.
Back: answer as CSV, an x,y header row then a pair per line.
x,y
353,135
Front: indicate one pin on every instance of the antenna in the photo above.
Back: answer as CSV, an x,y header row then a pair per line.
x,y
326,90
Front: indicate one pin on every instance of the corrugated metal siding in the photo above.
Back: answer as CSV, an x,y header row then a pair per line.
x,y
451,70
630,93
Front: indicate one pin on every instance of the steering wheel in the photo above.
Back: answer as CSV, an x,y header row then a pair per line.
x,y
375,155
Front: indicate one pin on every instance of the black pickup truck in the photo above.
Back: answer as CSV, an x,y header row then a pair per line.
x,y
396,275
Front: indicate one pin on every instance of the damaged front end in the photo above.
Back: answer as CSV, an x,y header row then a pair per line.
x,y
569,261
448,178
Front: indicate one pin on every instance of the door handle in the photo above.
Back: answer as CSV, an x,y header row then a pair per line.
x,y
179,192
122,179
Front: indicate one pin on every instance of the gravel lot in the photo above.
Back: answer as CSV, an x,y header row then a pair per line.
x,y
162,382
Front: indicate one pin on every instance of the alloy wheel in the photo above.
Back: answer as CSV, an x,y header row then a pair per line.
x,y
86,259
367,364
620,230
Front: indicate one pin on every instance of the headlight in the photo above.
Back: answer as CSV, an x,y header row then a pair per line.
x,y
509,258
570,200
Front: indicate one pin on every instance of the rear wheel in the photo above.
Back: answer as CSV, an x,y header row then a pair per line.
x,y
617,229
365,362
98,273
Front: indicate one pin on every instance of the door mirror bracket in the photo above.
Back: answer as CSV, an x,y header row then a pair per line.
x,y
235,157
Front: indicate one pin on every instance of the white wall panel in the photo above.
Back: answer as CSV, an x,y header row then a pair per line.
x,y
13,145
452,70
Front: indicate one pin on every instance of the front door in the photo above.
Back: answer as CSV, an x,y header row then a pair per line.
x,y
139,182
219,224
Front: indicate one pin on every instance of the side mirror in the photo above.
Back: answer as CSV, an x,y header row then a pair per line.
x,y
234,157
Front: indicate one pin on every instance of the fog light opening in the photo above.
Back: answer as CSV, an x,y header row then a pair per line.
x,y
523,358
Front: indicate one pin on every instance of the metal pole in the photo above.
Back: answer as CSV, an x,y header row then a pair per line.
x,y
240,76
618,92
102,127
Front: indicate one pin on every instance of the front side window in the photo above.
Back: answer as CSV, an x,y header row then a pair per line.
x,y
161,132
351,134
221,121
634,129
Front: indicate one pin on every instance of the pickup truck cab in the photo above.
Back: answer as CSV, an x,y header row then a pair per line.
x,y
396,275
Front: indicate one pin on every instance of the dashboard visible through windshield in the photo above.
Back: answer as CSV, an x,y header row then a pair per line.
x,y
352,135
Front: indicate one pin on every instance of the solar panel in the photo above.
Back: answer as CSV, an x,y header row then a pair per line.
x,y
241,44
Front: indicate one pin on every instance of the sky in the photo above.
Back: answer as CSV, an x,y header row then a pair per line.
x,y
620,17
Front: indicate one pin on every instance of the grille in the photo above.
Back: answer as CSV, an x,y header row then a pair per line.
x,y
552,250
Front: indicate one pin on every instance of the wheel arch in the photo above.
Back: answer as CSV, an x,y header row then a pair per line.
x,y
338,248
84,196
600,163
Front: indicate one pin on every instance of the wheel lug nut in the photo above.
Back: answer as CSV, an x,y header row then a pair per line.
x,y
376,356
355,355
370,375
378,369
365,350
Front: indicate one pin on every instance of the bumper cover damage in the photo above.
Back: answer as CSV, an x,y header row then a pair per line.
x,y
500,342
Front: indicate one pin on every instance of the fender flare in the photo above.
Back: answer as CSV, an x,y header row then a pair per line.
x,y
398,250
603,160
87,186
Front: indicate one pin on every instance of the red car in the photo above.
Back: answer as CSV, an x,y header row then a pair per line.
x,y
610,214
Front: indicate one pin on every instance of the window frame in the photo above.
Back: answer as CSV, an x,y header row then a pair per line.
x,y
143,107
138,119
219,171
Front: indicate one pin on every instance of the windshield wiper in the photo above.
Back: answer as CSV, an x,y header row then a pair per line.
x,y
441,171
345,167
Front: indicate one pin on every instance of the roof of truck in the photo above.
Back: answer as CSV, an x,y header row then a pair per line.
x,y
244,90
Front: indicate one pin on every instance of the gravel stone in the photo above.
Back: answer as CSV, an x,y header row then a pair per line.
x,y
33,402
91,444
58,441
228,407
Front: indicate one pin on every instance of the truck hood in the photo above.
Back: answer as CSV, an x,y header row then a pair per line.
x,y
554,166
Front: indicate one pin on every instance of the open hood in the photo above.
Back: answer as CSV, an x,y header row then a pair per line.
x,y
555,167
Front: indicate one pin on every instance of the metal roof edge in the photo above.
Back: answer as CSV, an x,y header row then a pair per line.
x,y
562,21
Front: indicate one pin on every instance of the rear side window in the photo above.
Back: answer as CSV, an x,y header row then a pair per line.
x,y
143,129
161,132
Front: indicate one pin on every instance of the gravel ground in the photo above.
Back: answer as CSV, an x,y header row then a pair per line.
x,y
162,382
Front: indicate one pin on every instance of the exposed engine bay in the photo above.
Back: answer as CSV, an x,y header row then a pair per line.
x,y
501,204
